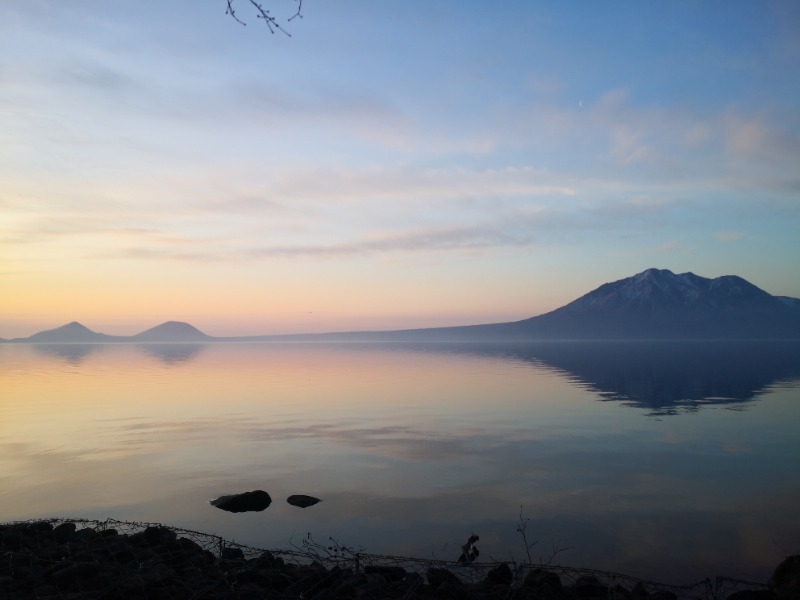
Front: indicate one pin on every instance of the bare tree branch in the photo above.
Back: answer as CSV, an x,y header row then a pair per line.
x,y
263,13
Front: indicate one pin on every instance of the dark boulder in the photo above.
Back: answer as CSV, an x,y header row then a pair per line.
x,y
439,577
785,581
588,586
539,579
752,595
85,535
662,595
500,575
389,573
254,501
302,501
231,553
159,535
64,532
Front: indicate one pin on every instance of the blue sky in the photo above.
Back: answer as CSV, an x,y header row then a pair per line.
x,y
391,164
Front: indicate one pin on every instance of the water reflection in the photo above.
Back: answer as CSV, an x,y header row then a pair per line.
x,y
171,354
665,377
73,354
413,447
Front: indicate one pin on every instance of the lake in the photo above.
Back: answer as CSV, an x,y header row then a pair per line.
x,y
671,461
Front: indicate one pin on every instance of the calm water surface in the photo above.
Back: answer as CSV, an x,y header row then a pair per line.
x,y
667,462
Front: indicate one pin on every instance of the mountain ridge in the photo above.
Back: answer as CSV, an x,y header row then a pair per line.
x,y
78,333
660,303
172,331
71,332
653,304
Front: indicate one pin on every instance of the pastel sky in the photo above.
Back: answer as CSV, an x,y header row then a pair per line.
x,y
391,164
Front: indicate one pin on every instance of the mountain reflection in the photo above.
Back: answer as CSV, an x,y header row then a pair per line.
x,y
662,377
173,353
74,354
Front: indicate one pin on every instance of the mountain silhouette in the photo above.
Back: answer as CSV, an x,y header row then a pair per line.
x,y
70,333
661,304
172,331
655,304
76,333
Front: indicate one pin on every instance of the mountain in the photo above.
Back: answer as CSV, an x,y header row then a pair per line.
x,y
660,304
172,331
70,333
75,333
656,304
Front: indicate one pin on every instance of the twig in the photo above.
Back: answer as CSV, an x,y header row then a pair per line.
x,y
270,21
522,530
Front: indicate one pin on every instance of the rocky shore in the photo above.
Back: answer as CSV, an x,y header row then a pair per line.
x,y
49,560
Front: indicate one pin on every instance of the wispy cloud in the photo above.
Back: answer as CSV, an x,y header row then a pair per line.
x,y
729,236
669,247
730,147
484,232
124,137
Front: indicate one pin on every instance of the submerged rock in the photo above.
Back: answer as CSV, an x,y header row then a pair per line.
x,y
302,500
254,501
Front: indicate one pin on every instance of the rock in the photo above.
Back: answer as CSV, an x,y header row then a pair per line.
x,y
662,595
500,575
157,563
588,586
254,501
83,536
108,532
345,591
250,591
231,553
785,580
449,591
267,560
389,573
539,579
752,595
275,579
639,590
70,573
302,501
64,532
439,577
619,592
159,535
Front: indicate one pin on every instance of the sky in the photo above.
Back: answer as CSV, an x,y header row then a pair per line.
x,y
388,164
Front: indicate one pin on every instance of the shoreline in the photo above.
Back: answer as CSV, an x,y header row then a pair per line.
x,y
81,558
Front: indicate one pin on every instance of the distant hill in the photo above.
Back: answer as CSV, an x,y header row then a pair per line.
x,y
660,304
69,333
654,304
76,333
172,331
